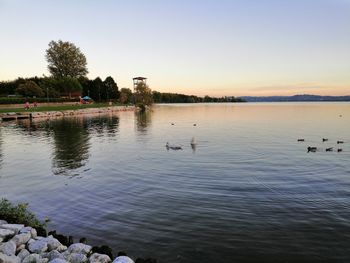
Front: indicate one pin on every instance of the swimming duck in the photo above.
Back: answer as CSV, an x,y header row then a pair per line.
x,y
324,139
311,149
329,149
338,142
301,140
172,147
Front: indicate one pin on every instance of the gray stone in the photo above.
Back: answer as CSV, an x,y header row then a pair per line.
x,y
99,258
8,248
9,259
30,230
32,258
23,254
14,227
79,248
38,246
54,254
61,248
20,247
76,258
21,238
123,259
2,222
52,243
6,233
58,260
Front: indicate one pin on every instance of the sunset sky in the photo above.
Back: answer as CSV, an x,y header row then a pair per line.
x,y
214,47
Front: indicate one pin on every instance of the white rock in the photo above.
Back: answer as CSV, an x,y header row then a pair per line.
x,y
52,243
20,247
9,259
23,254
61,248
14,227
2,222
79,248
99,258
76,258
33,258
21,238
58,260
30,230
8,248
123,259
38,246
54,254
6,233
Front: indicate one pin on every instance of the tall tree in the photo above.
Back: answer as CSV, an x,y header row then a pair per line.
x,y
111,89
65,60
125,96
143,94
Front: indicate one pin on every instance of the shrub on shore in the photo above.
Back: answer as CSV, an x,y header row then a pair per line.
x,y
19,214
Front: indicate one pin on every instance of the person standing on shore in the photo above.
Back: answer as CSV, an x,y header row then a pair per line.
x,y
26,105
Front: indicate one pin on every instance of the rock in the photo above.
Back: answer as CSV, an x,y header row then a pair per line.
x,y
34,258
99,258
9,259
104,250
23,254
5,234
14,227
52,243
61,248
58,260
38,246
54,254
123,259
79,248
30,230
2,222
21,238
20,247
76,258
8,248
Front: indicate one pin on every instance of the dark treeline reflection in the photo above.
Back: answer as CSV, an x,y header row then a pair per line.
x,y
1,154
143,121
71,138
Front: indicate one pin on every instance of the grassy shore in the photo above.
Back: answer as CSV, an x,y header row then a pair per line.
x,y
57,107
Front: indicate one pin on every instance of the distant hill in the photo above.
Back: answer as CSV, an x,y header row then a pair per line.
x,y
304,97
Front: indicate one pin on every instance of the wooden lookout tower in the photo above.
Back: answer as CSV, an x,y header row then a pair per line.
x,y
138,80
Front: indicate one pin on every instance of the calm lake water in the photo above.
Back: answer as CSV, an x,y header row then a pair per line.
x,y
249,192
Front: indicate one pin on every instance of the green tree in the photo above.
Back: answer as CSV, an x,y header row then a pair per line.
x,y
143,94
125,96
65,60
30,89
68,85
110,88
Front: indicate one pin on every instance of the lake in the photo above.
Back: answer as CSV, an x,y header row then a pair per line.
x,y
248,191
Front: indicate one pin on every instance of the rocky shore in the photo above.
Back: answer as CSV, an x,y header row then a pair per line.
x,y
21,244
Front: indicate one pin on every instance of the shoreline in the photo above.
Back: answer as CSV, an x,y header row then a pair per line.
x,y
51,114
22,244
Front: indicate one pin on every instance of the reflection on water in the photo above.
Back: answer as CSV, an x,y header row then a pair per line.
x,y
71,139
143,121
250,193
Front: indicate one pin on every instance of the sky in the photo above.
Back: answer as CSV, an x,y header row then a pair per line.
x,y
200,47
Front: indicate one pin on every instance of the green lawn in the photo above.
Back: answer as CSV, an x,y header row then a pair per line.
x,y
56,107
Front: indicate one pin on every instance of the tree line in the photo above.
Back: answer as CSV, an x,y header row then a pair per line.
x,y
68,69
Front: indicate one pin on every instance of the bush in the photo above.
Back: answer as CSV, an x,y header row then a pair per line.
x,y
19,214
22,100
